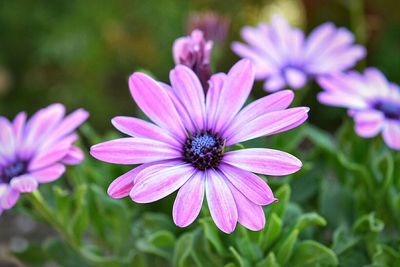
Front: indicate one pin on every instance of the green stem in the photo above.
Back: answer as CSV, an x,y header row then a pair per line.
x,y
358,23
43,210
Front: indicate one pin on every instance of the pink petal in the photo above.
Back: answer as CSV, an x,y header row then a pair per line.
x,y
368,123
162,183
9,198
234,93
216,83
263,161
133,151
249,184
268,124
391,134
74,156
189,200
140,128
273,102
221,202
250,215
24,183
49,174
188,89
154,101
341,100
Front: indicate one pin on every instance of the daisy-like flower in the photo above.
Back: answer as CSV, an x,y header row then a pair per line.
x,y
35,151
283,56
194,51
188,147
373,102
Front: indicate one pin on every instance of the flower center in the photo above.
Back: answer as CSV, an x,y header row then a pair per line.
x,y
204,150
13,170
390,109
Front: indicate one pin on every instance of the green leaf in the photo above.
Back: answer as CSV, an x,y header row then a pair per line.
x,y
368,223
162,239
386,256
320,138
269,261
309,219
243,262
311,253
212,234
285,249
63,202
283,196
271,231
183,247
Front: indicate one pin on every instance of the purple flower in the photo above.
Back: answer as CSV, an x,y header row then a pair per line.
x,y
189,146
35,151
214,26
194,51
373,102
283,56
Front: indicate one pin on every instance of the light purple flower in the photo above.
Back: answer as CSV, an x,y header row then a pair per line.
x,y
35,151
373,102
188,147
284,57
194,51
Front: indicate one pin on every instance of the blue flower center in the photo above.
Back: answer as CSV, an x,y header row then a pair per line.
x,y
12,170
389,108
204,150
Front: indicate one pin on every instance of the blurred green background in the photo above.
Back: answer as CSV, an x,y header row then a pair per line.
x,y
81,53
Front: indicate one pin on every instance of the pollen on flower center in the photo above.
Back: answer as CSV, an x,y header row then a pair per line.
x,y
390,109
13,170
204,150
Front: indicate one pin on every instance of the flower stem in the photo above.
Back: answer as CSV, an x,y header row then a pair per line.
x,y
45,212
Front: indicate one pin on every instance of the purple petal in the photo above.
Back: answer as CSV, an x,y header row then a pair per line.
x,y
74,156
249,184
19,126
9,198
274,102
189,91
391,134
295,78
221,202
7,142
140,128
133,151
154,101
268,124
263,161
234,92
66,127
49,174
24,183
122,185
368,123
160,184
50,156
216,83
250,215
274,83
189,200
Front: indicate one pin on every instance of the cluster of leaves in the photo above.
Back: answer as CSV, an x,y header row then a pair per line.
x,y
354,187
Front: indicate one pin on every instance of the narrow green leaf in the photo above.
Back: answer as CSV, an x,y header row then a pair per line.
x,y
285,249
182,250
269,261
311,253
271,231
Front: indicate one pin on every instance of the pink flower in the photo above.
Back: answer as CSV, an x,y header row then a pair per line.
x,y
188,146
35,151
283,56
194,51
373,102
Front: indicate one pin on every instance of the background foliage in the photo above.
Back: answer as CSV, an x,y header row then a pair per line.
x,y
342,209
